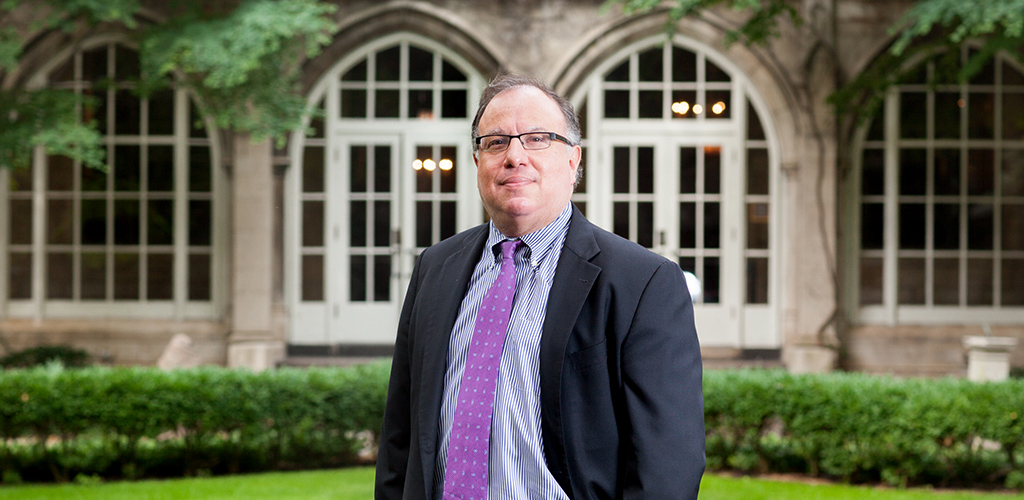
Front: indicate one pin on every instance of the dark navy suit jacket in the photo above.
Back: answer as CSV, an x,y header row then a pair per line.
x,y
620,371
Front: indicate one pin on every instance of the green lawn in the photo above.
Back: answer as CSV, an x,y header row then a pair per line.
x,y
357,484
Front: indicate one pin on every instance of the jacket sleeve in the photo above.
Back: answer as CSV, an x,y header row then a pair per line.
x,y
393,453
663,396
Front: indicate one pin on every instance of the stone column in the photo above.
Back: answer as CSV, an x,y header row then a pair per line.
x,y
252,342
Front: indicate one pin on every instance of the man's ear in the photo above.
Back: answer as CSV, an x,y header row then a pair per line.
x,y
575,156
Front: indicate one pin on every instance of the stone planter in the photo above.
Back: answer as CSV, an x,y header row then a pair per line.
x,y
988,358
810,359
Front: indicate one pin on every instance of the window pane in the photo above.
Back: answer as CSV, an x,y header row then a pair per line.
x,y
196,123
447,219
161,222
353,103
448,179
421,65
382,224
947,172
19,283
757,280
127,63
712,169
313,278
979,227
316,122
946,226
711,225
947,115
200,217
872,226
1013,116
979,282
619,74
682,103
126,168
313,169
911,281
946,282
1013,276
1013,229
161,168
645,224
424,223
710,281
126,222
620,218
453,104
161,112
93,179
757,171
1013,174
421,104
718,104
912,226
20,179
616,104
160,276
58,275
873,172
357,223
387,104
94,276
312,223
650,102
980,165
981,113
382,169
684,65
199,170
382,278
621,170
95,108
913,106
450,73
687,170
388,65
645,170
715,74
757,225
356,74
687,225
870,281
651,68
94,222
94,64
20,219
913,171
199,277
357,278
755,132
128,110
358,169
61,175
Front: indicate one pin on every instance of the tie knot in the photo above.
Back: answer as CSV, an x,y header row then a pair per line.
x,y
508,248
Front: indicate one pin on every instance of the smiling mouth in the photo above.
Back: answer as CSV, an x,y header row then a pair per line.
x,y
514,181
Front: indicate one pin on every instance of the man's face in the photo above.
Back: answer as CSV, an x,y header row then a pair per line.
x,y
522,190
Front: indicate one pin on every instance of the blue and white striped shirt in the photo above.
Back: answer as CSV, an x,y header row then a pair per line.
x,y
517,470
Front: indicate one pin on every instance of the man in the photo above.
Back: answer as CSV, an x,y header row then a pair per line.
x,y
598,386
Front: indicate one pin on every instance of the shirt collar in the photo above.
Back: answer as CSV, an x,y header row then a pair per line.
x,y
537,243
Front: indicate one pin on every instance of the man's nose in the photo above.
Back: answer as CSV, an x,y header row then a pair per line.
x,y
516,153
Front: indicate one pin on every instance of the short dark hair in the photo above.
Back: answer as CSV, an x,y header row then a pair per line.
x,y
508,81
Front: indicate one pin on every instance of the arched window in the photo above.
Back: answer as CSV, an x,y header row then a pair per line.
x,y
137,240
387,173
940,194
677,160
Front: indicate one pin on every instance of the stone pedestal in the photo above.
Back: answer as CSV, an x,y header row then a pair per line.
x,y
809,358
256,355
988,358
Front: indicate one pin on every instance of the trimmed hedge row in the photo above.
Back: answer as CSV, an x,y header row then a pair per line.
x,y
864,428
138,422
59,424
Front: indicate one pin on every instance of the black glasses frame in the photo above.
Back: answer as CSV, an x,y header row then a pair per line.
x,y
550,135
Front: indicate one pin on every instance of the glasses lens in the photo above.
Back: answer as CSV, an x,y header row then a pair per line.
x,y
494,143
535,141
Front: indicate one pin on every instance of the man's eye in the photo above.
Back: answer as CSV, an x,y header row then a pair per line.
x,y
496,142
535,138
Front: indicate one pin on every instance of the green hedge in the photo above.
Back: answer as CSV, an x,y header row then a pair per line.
x,y
138,422
864,428
61,424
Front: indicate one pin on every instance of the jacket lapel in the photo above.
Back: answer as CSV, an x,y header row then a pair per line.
x,y
442,307
573,280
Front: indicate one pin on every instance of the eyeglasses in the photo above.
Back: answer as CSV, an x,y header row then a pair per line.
x,y
496,143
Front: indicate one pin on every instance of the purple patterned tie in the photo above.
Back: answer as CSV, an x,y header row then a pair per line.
x,y
466,466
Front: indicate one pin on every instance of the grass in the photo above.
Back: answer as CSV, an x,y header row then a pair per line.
x,y
357,484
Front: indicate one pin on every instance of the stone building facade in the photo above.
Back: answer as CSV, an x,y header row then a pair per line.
x,y
819,242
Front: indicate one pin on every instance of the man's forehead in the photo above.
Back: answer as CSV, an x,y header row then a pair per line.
x,y
525,103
